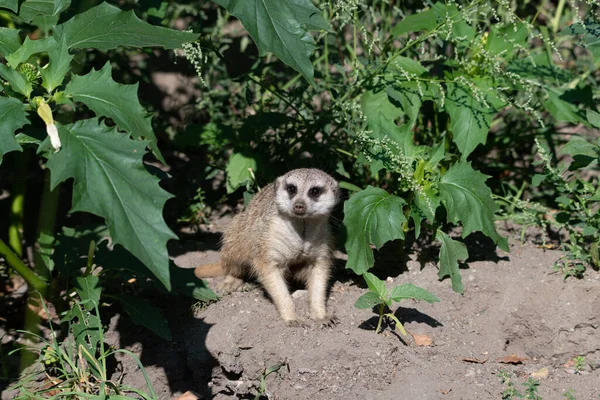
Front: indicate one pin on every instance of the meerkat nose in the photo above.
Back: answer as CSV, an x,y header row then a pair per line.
x,y
299,208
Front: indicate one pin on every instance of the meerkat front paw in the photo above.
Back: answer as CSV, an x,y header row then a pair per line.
x,y
296,323
328,322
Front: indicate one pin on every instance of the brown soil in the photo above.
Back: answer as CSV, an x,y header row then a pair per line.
x,y
513,305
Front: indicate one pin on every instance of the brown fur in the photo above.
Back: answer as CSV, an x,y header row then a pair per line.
x,y
271,243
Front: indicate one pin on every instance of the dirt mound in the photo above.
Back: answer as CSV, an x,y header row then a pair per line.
x,y
513,306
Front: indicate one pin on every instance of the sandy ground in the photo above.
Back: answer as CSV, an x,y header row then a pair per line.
x,y
513,305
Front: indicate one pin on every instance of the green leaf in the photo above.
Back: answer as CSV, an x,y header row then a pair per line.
x,y
106,27
12,117
582,151
410,291
562,110
375,285
238,171
425,20
450,252
59,63
537,179
16,80
86,327
9,41
112,182
593,118
281,27
470,118
367,300
406,95
107,98
43,13
12,5
145,314
504,39
589,31
88,289
401,64
29,48
468,199
371,216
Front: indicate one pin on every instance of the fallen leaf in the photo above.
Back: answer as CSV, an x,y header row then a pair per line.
x,y
422,340
512,359
569,363
188,396
475,360
541,373
444,391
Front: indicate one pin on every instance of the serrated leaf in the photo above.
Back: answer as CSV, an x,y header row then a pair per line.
x,y
367,300
29,48
468,199
106,27
281,27
375,285
12,5
112,182
410,291
12,117
44,13
372,216
107,98
450,252
88,289
470,118
59,63
145,314
86,327
9,41
238,171
16,80
381,115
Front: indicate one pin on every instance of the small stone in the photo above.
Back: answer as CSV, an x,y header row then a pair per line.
x,y
470,373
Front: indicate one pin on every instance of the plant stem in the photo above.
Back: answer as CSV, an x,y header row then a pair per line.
x,y
556,20
46,224
18,265
15,228
381,306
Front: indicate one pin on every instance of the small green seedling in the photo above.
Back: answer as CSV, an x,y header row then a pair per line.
x,y
378,296
579,364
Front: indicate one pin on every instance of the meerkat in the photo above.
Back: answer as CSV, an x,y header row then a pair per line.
x,y
283,233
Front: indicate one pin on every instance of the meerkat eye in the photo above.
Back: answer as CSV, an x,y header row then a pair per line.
x,y
315,191
291,189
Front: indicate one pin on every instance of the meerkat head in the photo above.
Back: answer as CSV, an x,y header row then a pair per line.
x,y
306,193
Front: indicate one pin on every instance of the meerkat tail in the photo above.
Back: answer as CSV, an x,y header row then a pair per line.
x,y
209,270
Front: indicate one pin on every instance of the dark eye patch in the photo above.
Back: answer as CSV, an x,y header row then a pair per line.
x,y
291,189
315,191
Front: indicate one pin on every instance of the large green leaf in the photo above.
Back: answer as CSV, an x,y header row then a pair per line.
x,y
9,41
561,109
281,27
12,5
12,117
17,81
410,291
371,216
145,314
112,182
29,48
470,118
59,63
238,171
468,200
106,27
450,252
589,31
107,98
